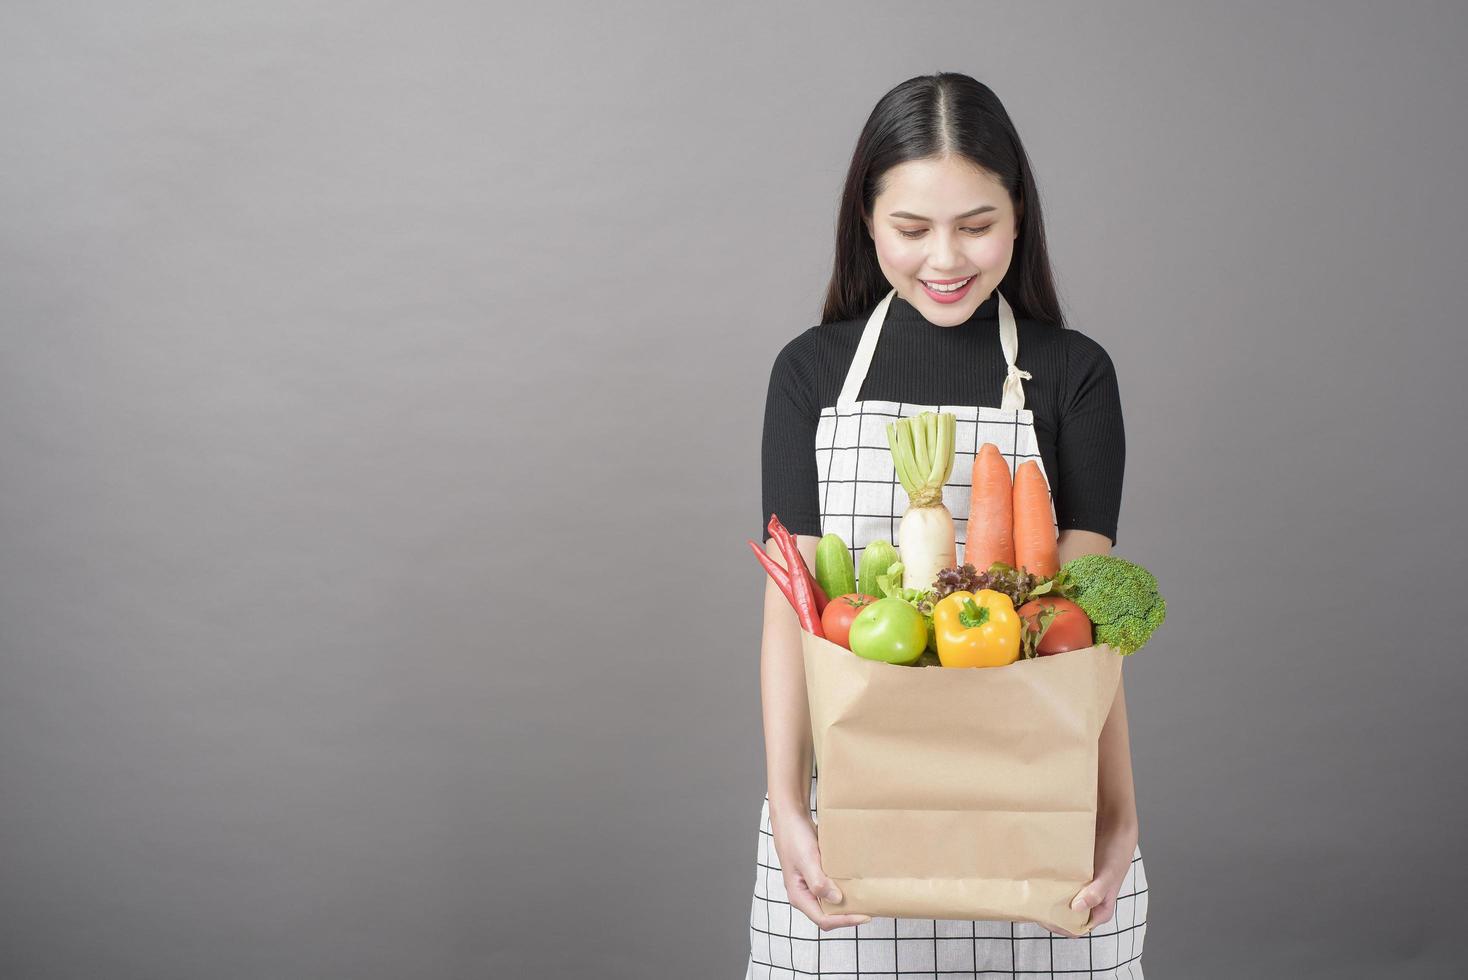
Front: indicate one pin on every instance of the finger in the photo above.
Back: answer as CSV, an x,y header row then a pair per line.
x,y
836,920
813,882
1103,912
828,922
820,885
1088,897
805,900
800,897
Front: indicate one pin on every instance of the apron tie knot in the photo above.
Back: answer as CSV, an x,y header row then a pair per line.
x,y
1014,392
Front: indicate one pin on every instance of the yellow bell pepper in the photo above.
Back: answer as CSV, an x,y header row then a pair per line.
x,y
976,629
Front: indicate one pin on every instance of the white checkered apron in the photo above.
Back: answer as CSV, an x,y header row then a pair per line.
x,y
862,501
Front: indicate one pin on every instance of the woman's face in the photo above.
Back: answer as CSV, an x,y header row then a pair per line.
x,y
937,221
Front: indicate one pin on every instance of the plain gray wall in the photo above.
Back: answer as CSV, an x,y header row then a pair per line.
x,y
380,414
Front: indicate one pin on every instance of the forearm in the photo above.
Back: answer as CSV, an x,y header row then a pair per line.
x,y
782,694
1116,804
1116,799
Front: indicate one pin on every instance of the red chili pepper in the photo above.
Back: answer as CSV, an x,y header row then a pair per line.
x,y
819,594
782,579
800,580
816,590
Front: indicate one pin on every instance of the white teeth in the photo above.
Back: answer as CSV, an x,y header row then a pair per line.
x,y
946,289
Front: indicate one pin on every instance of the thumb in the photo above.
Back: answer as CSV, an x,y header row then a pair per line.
x,y
1086,898
824,887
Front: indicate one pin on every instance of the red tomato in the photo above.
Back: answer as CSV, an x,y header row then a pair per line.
x,y
840,611
1069,630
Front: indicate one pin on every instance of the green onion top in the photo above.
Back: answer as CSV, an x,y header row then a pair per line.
x,y
922,454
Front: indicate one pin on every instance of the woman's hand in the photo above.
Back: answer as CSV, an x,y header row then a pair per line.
x,y
1116,844
800,863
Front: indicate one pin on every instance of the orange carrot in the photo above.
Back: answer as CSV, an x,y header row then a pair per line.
x,y
1035,547
990,511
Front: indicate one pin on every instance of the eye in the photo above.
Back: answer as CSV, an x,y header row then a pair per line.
x,y
914,234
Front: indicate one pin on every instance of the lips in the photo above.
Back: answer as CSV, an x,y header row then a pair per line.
x,y
949,296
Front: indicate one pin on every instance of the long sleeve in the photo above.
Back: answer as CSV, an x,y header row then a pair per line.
x,y
788,463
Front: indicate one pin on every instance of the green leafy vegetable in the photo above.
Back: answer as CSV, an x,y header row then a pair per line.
x,y
1020,586
890,586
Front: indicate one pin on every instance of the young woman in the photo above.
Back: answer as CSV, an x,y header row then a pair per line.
x,y
941,296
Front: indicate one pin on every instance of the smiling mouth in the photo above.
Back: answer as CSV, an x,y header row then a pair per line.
x,y
945,285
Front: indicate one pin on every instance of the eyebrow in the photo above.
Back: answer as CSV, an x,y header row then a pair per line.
x,y
966,214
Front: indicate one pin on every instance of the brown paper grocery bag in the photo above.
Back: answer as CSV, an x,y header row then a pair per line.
x,y
958,793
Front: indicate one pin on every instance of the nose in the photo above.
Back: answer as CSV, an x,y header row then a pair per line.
x,y
943,253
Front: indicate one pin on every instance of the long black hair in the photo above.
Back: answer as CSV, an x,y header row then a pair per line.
x,y
927,117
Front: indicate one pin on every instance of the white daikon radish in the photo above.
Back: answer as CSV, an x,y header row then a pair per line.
x,y
922,454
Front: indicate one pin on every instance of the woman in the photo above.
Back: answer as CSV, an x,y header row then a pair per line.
x,y
940,256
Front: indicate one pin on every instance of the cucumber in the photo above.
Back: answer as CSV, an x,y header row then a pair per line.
x,y
875,560
834,569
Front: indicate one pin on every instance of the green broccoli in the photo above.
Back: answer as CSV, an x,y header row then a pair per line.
x,y
1119,596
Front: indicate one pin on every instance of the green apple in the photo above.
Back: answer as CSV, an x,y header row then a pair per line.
x,y
889,630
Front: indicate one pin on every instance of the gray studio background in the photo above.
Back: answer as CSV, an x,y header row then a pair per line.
x,y
380,403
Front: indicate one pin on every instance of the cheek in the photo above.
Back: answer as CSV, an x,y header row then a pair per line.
x,y
991,250
899,254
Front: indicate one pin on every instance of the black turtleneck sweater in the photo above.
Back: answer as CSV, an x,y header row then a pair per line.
x,y
1073,394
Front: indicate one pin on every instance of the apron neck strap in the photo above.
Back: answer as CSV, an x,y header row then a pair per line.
x,y
861,362
1014,390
